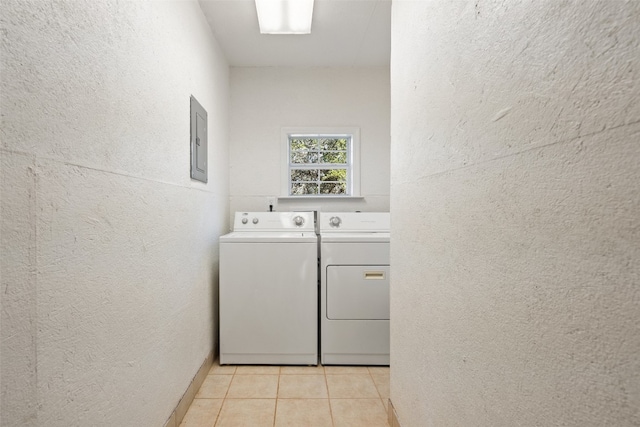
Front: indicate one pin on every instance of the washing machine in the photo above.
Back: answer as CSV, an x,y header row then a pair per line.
x,y
269,290
354,288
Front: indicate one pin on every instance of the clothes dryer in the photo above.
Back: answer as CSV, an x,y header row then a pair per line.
x,y
354,288
269,290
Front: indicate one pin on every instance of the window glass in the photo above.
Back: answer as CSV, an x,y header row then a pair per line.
x,y
319,164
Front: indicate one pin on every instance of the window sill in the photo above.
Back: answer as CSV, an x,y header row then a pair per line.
x,y
316,198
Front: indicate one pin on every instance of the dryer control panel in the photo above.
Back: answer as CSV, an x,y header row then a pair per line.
x,y
354,222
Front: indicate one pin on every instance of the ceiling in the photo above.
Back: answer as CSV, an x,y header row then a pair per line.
x,y
347,33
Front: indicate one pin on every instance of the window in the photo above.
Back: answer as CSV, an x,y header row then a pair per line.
x,y
321,163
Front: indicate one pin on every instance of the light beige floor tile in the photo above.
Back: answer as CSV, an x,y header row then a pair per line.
x,y
253,387
253,369
351,386
330,370
302,387
357,395
379,369
202,413
247,413
382,384
303,412
358,413
302,370
214,386
217,369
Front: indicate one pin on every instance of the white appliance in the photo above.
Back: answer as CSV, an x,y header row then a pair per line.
x,y
354,288
269,290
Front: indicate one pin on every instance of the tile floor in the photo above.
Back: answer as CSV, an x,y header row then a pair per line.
x,y
300,396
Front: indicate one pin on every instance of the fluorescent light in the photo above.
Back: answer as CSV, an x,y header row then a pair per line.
x,y
284,16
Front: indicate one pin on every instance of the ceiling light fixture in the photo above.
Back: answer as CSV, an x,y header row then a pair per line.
x,y
284,16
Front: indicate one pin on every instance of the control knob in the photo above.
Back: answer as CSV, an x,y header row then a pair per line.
x,y
255,220
298,221
335,221
245,220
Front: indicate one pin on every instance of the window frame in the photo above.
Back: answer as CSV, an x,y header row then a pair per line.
x,y
353,159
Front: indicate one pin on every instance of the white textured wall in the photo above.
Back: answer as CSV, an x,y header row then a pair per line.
x,y
515,200
263,100
109,249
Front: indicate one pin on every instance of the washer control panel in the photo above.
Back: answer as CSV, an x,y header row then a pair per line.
x,y
273,221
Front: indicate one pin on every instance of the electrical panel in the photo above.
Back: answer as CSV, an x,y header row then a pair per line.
x,y
199,141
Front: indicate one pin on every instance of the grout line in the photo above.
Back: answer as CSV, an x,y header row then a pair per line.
x,y
275,410
224,399
226,393
333,423
374,383
215,421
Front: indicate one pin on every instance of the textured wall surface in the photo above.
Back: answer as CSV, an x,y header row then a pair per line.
x,y
109,249
263,100
515,192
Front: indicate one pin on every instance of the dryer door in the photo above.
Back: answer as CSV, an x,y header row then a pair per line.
x,y
358,292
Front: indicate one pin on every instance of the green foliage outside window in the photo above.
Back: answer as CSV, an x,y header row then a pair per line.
x,y
318,165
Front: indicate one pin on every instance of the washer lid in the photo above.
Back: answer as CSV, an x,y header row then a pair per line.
x,y
269,237
328,237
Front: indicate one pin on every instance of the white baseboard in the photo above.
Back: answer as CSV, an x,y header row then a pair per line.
x,y
180,410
